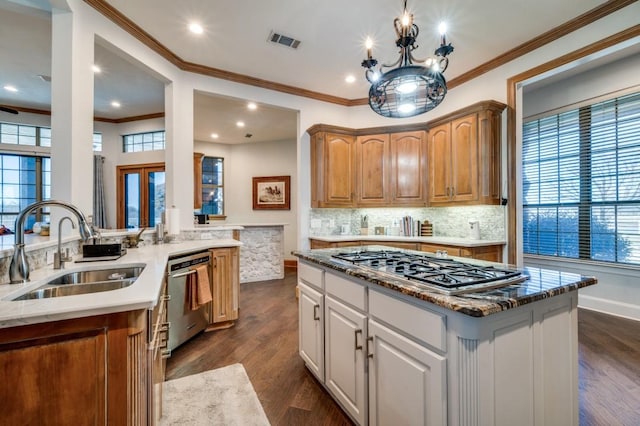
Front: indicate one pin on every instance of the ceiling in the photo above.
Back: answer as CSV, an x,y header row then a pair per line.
x,y
235,39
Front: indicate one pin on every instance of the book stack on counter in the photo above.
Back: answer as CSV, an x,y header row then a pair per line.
x,y
416,228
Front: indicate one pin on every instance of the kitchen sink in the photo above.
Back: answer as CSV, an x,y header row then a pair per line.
x,y
47,291
85,282
97,275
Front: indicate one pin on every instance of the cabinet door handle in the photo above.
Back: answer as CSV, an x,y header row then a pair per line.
x,y
369,351
453,192
358,347
448,192
316,315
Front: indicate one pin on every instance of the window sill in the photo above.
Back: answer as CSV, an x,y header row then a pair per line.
x,y
587,265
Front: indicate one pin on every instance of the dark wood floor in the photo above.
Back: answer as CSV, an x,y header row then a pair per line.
x,y
265,341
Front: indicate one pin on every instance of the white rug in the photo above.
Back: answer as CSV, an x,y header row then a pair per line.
x,y
223,396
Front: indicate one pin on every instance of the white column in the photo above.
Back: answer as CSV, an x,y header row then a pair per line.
x,y
72,110
179,149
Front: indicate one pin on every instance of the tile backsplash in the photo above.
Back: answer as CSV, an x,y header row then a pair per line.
x,y
447,221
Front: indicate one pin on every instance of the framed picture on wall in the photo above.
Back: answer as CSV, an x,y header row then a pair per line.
x,y
272,193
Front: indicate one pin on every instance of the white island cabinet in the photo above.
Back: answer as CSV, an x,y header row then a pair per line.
x,y
395,357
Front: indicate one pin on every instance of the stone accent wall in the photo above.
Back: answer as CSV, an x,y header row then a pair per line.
x,y
261,254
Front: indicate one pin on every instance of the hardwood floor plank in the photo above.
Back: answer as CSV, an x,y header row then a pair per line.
x,y
265,341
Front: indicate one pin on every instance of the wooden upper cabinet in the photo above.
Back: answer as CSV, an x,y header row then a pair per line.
x,y
408,168
372,170
439,163
456,162
197,179
453,159
464,159
332,170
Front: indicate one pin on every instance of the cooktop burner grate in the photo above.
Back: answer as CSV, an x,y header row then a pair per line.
x,y
452,276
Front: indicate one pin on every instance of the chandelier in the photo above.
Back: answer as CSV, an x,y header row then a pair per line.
x,y
408,89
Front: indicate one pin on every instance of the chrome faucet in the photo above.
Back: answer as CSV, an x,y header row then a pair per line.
x,y
58,257
19,268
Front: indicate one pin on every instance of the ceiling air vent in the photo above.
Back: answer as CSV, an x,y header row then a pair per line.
x,y
284,40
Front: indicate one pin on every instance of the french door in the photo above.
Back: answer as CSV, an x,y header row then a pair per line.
x,y
141,195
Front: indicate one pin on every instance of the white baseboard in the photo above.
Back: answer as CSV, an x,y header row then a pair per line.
x,y
619,309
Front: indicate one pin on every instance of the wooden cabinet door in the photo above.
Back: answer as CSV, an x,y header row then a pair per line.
x,y
372,170
62,381
197,180
224,285
339,170
439,160
311,329
407,382
408,172
464,158
345,377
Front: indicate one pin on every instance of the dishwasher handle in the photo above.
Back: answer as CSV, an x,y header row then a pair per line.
x,y
183,274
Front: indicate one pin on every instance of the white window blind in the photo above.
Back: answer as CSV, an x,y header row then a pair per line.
x,y
581,182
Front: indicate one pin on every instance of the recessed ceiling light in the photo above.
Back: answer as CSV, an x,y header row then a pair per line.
x,y
350,78
10,88
115,104
214,136
252,106
96,69
240,124
196,28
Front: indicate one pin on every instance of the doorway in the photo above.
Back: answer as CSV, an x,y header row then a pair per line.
x,y
140,195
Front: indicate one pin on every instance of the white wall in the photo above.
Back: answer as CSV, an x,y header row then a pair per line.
x,y
244,161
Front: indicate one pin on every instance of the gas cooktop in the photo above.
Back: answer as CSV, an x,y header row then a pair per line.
x,y
434,272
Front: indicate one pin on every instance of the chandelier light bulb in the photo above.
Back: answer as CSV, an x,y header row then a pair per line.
x,y
406,19
407,108
407,87
368,44
442,28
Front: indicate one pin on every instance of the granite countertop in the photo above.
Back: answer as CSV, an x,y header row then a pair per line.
x,y
541,284
142,294
452,241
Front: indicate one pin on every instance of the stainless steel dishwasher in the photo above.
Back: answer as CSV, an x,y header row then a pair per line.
x,y
184,322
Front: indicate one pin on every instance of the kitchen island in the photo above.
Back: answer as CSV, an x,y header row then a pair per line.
x,y
93,358
393,352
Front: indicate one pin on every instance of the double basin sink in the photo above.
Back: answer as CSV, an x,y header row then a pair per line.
x,y
85,282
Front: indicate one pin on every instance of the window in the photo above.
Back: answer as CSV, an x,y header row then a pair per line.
x,y
150,141
581,182
97,142
18,134
213,186
24,180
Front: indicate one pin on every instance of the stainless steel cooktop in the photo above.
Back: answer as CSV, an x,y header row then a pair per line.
x,y
439,273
